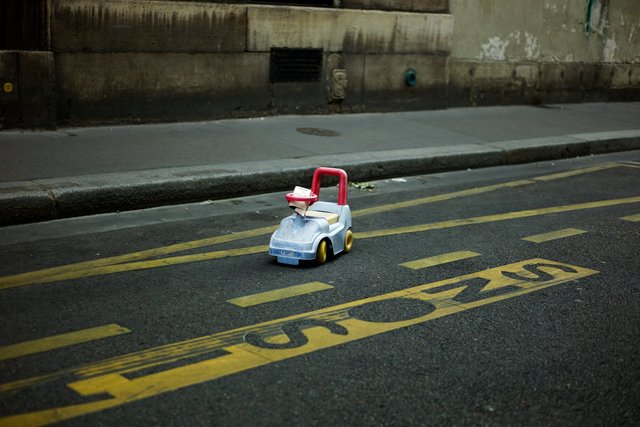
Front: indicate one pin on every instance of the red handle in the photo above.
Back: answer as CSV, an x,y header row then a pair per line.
x,y
342,191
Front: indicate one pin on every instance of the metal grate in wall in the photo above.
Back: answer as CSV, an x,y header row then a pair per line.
x,y
295,65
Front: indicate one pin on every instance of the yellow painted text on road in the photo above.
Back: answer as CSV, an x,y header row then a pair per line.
x,y
554,235
250,347
59,341
439,259
279,294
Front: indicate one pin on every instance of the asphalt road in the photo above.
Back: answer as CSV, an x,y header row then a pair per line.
x,y
456,306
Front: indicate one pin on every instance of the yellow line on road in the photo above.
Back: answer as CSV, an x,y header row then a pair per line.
x,y
632,218
279,294
494,218
59,341
575,172
132,266
481,190
439,198
554,235
205,256
71,270
630,164
99,266
94,267
439,259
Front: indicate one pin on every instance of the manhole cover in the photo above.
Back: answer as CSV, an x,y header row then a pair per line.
x,y
318,132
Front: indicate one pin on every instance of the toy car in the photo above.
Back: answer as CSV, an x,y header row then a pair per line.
x,y
312,234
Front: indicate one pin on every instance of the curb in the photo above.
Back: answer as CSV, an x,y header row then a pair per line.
x,y
48,199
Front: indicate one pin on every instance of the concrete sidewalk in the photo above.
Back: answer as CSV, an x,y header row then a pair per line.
x,y
78,171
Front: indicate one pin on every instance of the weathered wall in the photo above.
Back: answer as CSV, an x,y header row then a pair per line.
x,y
124,61
519,51
102,61
152,60
548,31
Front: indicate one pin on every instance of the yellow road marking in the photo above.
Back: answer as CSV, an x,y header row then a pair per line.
x,y
96,267
481,190
439,259
70,270
279,294
494,218
59,341
632,218
575,172
19,280
630,164
253,346
439,198
554,235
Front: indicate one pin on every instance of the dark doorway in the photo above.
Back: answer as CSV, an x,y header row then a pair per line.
x,y
23,25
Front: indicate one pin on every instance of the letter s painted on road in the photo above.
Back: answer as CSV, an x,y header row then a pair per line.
x,y
294,332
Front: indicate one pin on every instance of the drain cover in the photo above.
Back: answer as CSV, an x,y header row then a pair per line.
x,y
318,132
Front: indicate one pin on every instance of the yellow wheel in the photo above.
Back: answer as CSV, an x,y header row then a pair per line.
x,y
321,253
348,240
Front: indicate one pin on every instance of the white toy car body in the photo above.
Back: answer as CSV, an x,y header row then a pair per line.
x,y
314,233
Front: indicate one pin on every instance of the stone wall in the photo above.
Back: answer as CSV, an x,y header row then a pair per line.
x,y
130,61
519,51
150,60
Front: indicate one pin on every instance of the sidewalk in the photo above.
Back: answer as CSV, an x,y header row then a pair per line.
x,y
78,171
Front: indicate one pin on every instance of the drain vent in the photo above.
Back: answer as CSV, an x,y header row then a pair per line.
x,y
295,65
318,132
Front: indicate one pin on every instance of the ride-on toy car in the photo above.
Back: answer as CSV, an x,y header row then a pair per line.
x,y
312,234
